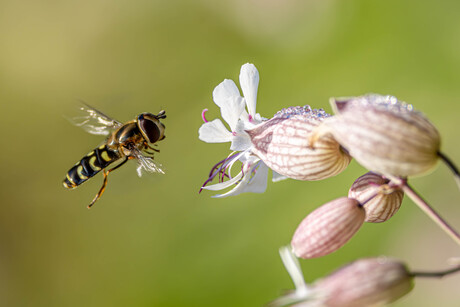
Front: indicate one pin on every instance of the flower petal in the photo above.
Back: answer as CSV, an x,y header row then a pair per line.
x,y
227,96
225,91
258,119
302,292
249,81
241,140
214,132
256,184
223,185
278,177
232,110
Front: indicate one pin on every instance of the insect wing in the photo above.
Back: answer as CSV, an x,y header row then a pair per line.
x,y
146,164
94,121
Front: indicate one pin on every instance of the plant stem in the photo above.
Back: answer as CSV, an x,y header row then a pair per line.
x,y
451,166
427,209
435,274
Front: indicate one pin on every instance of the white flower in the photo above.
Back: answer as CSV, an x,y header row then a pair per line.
x,y
364,282
254,172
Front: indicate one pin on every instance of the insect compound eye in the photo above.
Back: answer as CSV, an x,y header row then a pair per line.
x,y
149,129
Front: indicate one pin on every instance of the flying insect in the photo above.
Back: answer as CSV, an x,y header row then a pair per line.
x,y
135,139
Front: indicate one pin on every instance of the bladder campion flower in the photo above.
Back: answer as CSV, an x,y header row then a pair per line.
x,y
328,228
283,144
365,282
254,172
383,134
380,199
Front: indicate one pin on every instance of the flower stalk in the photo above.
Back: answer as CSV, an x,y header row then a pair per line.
x,y
451,166
419,201
438,274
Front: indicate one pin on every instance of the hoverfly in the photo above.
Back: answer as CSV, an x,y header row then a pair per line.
x,y
133,140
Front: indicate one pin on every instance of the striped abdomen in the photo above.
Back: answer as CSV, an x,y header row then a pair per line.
x,y
90,165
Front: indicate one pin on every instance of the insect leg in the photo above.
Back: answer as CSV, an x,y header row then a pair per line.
x,y
150,147
104,184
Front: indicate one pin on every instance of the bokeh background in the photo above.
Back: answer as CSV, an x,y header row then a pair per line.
x,y
155,241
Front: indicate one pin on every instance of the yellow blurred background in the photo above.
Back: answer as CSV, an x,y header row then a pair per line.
x,y
155,241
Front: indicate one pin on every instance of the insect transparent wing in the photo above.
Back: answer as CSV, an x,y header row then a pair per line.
x,y
94,121
146,164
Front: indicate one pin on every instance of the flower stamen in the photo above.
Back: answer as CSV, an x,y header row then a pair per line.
x,y
221,169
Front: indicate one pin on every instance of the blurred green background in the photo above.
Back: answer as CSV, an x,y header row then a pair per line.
x,y
155,241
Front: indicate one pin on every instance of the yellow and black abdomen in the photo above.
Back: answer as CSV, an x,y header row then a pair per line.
x,y
90,165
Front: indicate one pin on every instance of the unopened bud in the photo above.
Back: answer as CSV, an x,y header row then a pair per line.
x,y
380,200
365,282
384,135
328,228
283,143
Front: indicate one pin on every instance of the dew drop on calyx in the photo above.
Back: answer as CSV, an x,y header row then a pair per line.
x,y
386,103
305,111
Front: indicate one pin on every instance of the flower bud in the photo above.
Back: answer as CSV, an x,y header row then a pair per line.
x,y
327,228
380,200
283,144
385,135
365,282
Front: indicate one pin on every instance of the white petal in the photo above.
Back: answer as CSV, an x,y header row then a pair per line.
x,y
214,132
258,119
232,192
293,267
303,292
249,81
241,140
225,91
244,115
223,185
278,177
227,96
256,184
232,110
